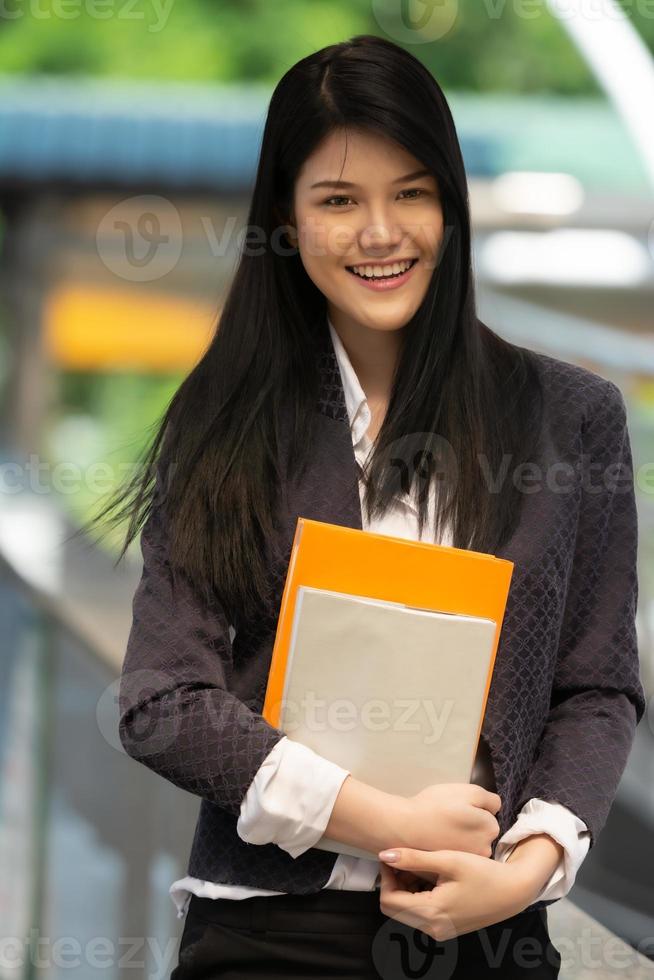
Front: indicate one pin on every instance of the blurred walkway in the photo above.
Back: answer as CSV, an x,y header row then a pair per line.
x,y
74,578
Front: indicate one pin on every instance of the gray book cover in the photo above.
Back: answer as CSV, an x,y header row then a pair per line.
x,y
390,692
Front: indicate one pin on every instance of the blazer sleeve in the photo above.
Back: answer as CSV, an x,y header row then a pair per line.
x,y
176,714
597,697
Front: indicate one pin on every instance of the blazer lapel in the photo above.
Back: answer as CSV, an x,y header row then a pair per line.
x,y
331,399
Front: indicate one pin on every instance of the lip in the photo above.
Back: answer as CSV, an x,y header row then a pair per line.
x,y
381,285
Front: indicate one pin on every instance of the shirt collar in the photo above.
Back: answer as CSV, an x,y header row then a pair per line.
x,y
356,402
358,409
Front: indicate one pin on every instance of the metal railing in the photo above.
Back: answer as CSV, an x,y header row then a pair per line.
x,y
89,840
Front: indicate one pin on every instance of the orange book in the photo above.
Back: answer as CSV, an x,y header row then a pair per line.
x,y
361,563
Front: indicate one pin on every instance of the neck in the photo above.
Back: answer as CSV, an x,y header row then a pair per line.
x,y
373,354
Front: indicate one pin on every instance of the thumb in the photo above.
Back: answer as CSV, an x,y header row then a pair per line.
x,y
413,859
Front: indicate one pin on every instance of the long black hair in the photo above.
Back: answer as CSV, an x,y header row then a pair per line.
x,y
216,461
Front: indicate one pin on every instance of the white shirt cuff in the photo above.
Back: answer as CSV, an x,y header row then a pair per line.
x,y
290,799
542,817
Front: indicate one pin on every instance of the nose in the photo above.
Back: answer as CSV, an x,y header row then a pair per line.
x,y
378,238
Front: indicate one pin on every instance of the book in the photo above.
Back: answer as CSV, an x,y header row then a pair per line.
x,y
384,654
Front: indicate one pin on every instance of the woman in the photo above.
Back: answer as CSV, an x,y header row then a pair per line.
x,y
349,354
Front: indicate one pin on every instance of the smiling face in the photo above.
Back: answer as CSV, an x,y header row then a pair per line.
x,y
382,209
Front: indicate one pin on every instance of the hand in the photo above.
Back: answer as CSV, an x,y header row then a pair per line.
x,y
448,893
449,816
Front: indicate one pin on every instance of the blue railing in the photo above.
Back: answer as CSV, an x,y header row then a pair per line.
x,y
89,840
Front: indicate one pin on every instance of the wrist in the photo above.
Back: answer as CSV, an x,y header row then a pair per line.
x,y
367,817
533,861
393,821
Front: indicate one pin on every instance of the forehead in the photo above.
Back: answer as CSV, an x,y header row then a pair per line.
x,y
349,158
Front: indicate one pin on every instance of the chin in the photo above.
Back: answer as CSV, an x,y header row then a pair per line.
x,y
396,324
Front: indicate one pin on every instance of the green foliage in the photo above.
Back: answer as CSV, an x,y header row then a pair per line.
x,y
104,420
493,45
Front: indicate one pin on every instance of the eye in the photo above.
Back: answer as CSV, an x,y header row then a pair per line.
x,y
330,199
414,190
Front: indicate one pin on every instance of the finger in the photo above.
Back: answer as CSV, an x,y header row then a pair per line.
x,y
435,862
419,910
389,882
416,904
487,800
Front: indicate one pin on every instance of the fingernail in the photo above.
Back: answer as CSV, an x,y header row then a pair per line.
x,y
389,855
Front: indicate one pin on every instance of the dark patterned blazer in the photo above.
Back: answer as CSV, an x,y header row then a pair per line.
x,y
565,696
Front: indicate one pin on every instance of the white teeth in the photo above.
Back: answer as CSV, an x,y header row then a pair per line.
x,y
379,271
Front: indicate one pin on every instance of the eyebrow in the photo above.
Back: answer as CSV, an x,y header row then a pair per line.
x,y
346,183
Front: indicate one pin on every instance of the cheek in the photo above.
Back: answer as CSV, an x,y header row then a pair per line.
x,y
325,238
428,237
427,244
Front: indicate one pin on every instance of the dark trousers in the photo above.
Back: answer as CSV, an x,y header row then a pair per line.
x,y
344,935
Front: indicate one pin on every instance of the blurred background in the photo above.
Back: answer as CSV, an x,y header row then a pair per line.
x,y
129,134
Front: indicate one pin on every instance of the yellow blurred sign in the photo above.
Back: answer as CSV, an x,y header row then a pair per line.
x,y
93,328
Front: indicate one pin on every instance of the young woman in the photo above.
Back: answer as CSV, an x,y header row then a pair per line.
x,y
349,353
